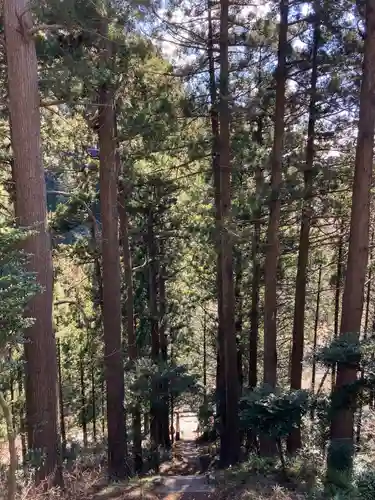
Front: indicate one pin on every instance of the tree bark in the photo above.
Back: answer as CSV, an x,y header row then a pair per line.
x,y
113,360
239,318
83,399
343,420
294,441
214,117
13,459
164,423
272,250
93,398
129,322
254,312
339,270
316,325
40,347
231,430
61,401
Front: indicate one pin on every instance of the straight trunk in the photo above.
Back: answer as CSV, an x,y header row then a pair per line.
x,y
239,318
214,116
340,247
367,313
61,401
231,430
113,361
340,456
93,398
129,323
154,320
22,415
30,209
254,312
83,400
316,324
164,422
272,250
294,441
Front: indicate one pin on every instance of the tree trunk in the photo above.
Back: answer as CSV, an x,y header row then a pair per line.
x,y
83,399
13,459
113,361
254,312
340,456
239,318
61,401
154,320
129,323
214,116
93,398
272,250
103,403
22,415
164,423
232,439
40,347
294,441
316,325
340,247
365,334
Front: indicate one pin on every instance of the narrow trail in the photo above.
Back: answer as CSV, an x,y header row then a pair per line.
x,y
178,479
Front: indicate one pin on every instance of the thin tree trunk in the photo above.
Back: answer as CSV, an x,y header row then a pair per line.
x,y
316,325
40,347
61,401
113,361
205,398
340,247
103,403
129,323
93,398
254,312
365,333
294,441
340,454
231,430
13,459
165,440
272,250
239,318
214,116
83,399
22,415
154,320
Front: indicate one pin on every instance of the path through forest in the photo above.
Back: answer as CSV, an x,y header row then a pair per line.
x,y
179,478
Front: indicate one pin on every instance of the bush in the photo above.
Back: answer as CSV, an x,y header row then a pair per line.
x,y
365,485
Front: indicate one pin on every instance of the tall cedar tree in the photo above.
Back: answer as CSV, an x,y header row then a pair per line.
x,y
129,320
214,117
343,420
230,454
113,360
30,208
295,440
272,251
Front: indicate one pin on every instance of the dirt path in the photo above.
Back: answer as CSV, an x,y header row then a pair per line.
x,y
179,479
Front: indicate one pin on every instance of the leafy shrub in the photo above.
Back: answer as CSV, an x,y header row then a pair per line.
x,y
365,485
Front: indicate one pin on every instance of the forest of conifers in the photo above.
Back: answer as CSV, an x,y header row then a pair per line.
x,y
187,224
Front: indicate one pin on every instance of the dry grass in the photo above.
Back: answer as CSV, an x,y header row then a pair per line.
x,y
78,485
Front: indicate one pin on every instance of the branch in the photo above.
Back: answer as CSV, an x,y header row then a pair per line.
x,y
45,27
